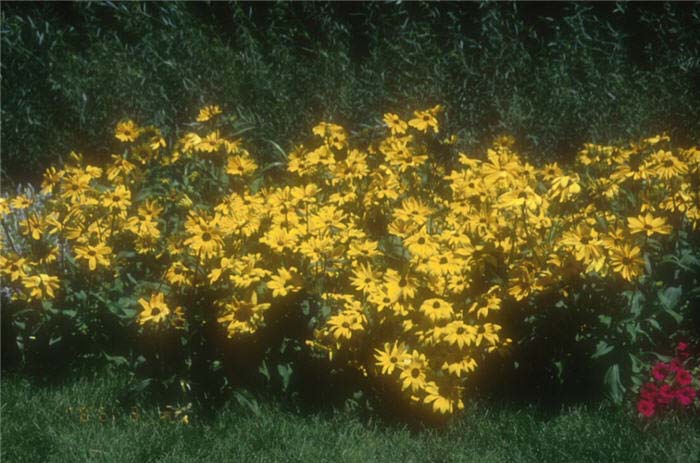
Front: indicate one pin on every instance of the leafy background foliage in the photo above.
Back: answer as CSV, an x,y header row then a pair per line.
x,y
552,75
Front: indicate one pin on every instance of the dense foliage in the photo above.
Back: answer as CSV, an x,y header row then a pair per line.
x,y
389,253
555,75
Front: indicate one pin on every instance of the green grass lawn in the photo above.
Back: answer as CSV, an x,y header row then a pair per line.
x,y
44,424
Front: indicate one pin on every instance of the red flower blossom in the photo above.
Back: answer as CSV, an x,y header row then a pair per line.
x,y
685,396
683,377
649,391
675,365
665,395
660,371
646,408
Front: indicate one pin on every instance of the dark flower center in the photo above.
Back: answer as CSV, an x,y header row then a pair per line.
x,y
206,236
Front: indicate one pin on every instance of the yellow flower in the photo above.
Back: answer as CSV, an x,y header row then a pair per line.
x,y
21,202
421,245
441,404
94,255
205,240
399,286
279,239
413,374
363,248
666,165
465,365
40,286
458,332
286,281
424,120
585,242
436,309
394,122
208,112
127,131
119,199
178,274
413,210
240,165
244,317
364,278
210,143
391,357
564,187
345,323
627,261
15,268
648,224
155,310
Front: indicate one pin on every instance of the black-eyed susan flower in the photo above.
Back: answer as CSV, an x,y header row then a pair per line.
x,y
94,255
240,165
154,310
440,403
127,131
208,112
424,120
178,274
395,123
40,286
15,267
400,286
286,281
205,240
117,200
393,356
413,375
244,316
437,309
648,224
627,261
458,332
344,324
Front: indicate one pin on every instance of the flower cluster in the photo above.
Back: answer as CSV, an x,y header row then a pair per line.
x,y
675,384
409,259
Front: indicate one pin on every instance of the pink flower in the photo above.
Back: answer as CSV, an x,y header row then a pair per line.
x,y
660,371
665,395
685,396
675,365
649,391
683,377
682,350
646,408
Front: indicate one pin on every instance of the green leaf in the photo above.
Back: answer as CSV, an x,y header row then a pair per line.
x,y
605,320
615,387
670,297
264,370
285,371
676,316
602,349
247,401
